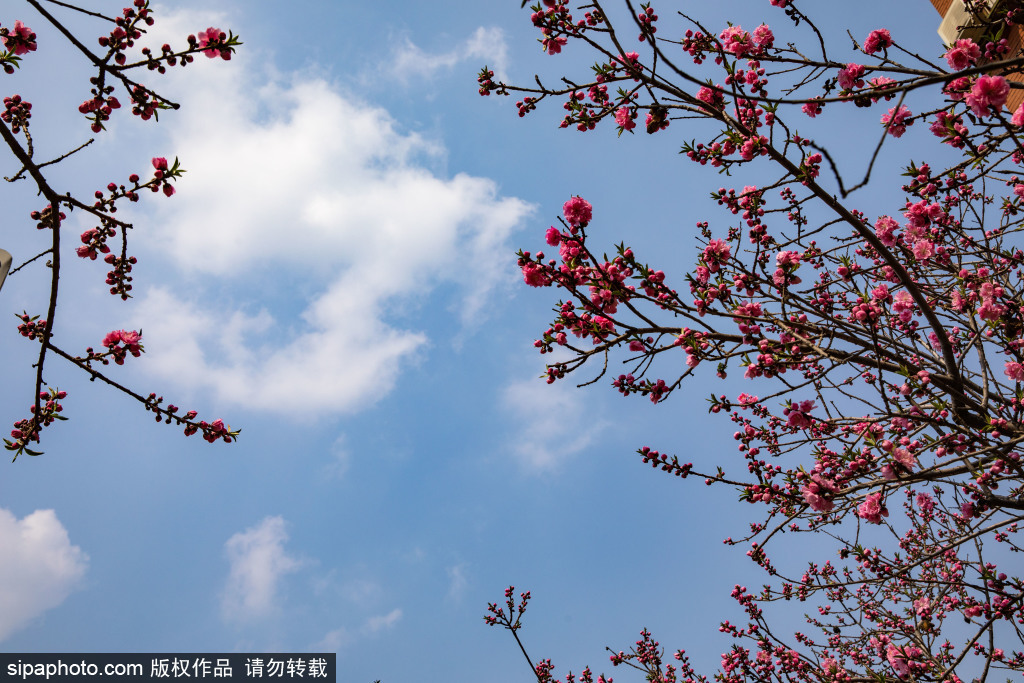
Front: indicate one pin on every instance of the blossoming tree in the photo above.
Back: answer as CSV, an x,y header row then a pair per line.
x,y
884,343
115,64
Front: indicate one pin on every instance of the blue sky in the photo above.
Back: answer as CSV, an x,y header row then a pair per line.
x,y
336,276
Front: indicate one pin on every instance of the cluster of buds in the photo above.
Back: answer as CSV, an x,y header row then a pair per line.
x,y
31,327
44,218
126,31
212,431
487,85
166,55
94,242
163,174
27,430
16,112
99,107
119,278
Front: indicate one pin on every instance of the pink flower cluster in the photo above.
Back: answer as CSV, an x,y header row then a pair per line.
x,y
742,44
161,175
1014,371
578,212
879,39
799,414
851,77
872,510
213,42
988,93
716,254
624,117
812,108
964,53
788,262
816,492
19,40
130,340
897,120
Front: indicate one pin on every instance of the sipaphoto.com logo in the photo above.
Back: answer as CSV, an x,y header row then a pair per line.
x,y
61,669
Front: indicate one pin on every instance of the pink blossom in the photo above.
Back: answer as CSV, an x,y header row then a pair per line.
x,y
577,211
974,611
630,59
799,417
534,275
553,46
779,3
897,121
898,660
957,88
879,39
816,491
950,127
711,97
752,147
160,163
882,86
1018,116
624,117
763,37
784,259
812,165
552,236
922,606
885,227
923,249
751,309
737,41
817,502
903,305
716,254
920,215
962,54
812,108
988,92
20,40
131,338
113,338
1014,371
872,510
850,77
905,458
212,42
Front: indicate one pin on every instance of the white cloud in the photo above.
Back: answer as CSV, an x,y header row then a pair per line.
x,y
258,562
340,638
486,45
550,422
334,641
382,622
312,222
456,582
39,567
341,459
